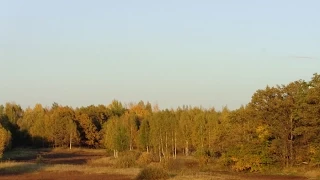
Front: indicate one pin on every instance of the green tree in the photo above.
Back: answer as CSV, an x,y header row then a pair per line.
x,y
144,135
73,133
14,112
121,138
65,132
116,136
278,109
186,124
307,121
246,148
38,130
116,108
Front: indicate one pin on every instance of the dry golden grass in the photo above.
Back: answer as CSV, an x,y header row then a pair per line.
x,y
92,151
184,168
313,174
20,153
104,161
206,177
23,167
190,174
87,169
11,167
9,164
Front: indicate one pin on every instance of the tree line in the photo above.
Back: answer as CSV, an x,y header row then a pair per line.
x,y
279,127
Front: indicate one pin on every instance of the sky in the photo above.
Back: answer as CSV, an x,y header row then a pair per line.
x,y
170,52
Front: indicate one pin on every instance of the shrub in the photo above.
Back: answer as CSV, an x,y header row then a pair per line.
x,y
145,159
152,173
172,164
203,157
127,159
250,163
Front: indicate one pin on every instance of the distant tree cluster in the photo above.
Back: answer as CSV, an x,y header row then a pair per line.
x,y
279,127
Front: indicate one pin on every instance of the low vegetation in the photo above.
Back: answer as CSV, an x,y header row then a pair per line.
x,y
152,173
96,163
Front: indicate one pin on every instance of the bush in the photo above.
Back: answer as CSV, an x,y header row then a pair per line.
x,y
127,159
145,159
172,164
250,163
152,173
203,161
203,157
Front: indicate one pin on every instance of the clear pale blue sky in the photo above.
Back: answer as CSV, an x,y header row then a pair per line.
x,y
170,52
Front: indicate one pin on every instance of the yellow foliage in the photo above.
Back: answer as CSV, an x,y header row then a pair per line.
x,y
262,132
5,138
312,149
251,163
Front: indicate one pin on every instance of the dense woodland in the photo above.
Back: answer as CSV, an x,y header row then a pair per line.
x,y
279,127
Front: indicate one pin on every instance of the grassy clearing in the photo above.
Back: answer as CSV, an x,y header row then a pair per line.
x,y
102,162
201,176
74,150
29,161
15,168
24,167
313,174
152,173
87,169
22,154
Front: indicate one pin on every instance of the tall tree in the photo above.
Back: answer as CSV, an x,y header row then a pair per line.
x,y
90,134
116,108
144,135
64,130
116,136
5,139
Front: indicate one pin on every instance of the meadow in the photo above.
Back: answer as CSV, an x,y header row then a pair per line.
x,y
25,163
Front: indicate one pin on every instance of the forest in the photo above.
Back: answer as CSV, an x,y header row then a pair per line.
x,y
279,128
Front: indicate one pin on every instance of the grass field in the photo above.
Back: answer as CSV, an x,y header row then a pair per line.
x,y
95,164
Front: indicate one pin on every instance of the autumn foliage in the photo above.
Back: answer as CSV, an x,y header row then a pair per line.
x,y
279,127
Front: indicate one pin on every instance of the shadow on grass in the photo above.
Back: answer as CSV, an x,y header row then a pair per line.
x,y
23,154
48,156
27,160
12,168
75,158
